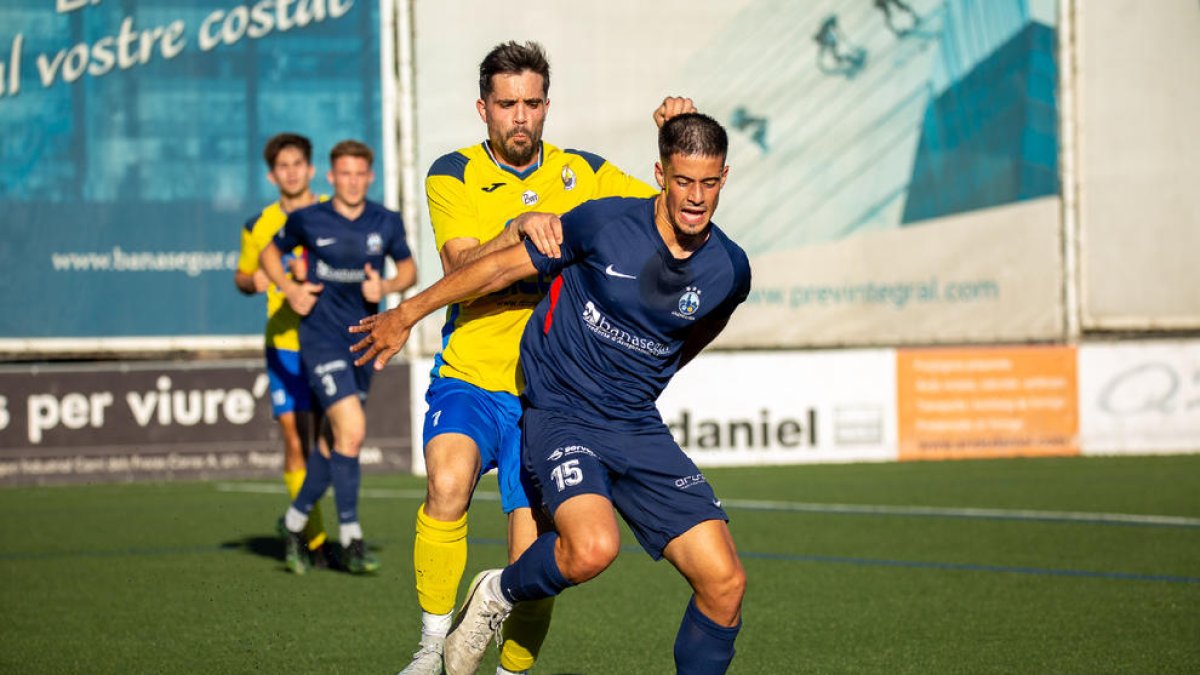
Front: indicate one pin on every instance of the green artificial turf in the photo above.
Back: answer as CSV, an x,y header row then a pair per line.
x,y
187,577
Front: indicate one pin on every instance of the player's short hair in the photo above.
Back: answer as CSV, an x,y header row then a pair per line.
x,y
692,134
351,148
279,142
513,58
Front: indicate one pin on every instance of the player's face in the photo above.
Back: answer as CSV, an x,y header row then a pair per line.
x,y
691,187
515,113
292,173
350,178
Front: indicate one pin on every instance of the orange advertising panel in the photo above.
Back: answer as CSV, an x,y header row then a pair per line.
x,y
990,402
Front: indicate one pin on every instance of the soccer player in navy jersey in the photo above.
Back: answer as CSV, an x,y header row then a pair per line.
x,y
644,285
347,239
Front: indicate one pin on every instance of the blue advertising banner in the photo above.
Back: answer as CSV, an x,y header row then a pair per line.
x,y
131,136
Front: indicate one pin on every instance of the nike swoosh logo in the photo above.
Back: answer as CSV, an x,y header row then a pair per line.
x,y
614,273
492,188
325,241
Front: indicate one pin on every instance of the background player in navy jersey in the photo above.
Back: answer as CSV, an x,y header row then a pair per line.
x,y
645,284
289,168
347,239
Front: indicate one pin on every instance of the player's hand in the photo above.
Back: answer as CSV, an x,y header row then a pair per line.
x,y
303,296
543,229
672,106
261,281
386,334
372,286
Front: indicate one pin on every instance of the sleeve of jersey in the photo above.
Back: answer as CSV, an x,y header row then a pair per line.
x,y
399,250
579,226
612,182
291,234
451,211
248,256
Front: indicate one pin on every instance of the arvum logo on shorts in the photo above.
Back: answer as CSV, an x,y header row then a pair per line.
x,y
601,326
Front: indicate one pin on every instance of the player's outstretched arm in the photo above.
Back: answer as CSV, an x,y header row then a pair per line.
x,y
544,230
386,333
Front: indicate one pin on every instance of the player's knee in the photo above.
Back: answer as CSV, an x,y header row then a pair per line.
x,y
723,594
448,495
588,556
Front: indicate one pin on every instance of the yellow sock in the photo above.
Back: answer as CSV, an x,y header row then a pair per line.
x,y
524,632
315,530
439,558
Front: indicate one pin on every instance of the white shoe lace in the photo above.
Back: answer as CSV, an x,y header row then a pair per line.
x,y
427,659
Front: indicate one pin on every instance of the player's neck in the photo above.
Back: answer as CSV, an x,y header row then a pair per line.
x,y
289,204
681,245
347,210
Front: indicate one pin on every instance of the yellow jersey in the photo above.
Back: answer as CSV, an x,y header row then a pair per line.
x,y
471,195
282,321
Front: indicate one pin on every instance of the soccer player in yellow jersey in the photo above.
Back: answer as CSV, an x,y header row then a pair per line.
x,y
476,195
290,169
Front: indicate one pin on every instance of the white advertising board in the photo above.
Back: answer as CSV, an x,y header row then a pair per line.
x,y
1140,398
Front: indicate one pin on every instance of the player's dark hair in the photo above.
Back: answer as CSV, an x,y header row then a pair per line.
x,y
279,142
351,148
692,134
513,58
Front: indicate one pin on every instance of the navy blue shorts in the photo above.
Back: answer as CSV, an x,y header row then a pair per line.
x,y
491,419
655,487
289,386
332,376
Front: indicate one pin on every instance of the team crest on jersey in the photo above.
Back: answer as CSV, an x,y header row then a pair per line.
x,y
374,244
689,302
568,177
529,197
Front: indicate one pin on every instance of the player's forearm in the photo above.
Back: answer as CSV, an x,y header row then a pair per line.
x,y
508,237
271,262
485,275
405,277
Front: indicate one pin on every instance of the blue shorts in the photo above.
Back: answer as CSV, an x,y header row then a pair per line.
x,y
491,419
655,487
289,387
332,376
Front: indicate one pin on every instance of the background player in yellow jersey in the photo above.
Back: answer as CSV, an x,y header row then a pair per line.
x,y
476,198
289,168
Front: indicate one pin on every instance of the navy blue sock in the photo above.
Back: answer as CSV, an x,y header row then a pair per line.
x,y
702,646
316,482
535,575
347,474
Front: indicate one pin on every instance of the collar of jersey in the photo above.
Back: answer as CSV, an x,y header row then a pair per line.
x,y
521,175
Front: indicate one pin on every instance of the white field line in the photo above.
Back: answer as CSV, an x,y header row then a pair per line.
x,y
806,507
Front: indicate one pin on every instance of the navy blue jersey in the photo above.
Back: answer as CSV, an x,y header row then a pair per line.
x,y
606,340
338,249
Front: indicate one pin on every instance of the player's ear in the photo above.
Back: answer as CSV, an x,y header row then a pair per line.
x,y
482,108
329,177
271,177
659,176
724,174
312,171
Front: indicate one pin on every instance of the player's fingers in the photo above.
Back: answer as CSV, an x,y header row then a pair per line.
x,y
385,356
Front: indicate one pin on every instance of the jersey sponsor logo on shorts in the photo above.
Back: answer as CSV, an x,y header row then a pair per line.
x,y
603,327
492,187
325,241
330,367
612,272
374,244
688,303
529,198
569,450
689,481
568,177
